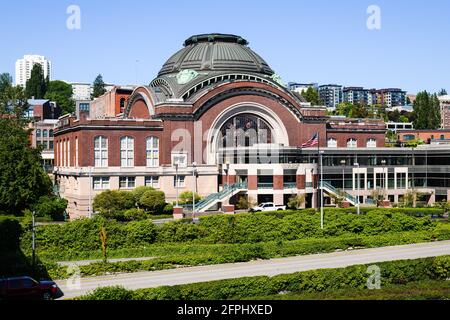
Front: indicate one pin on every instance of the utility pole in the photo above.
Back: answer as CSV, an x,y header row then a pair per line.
x,y
176,181
321,189
194,176
33,242
358,182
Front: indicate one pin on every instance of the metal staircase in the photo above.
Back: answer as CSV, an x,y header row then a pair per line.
x,y
226,193
332,190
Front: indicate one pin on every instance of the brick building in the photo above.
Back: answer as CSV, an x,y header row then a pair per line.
x,y
216,119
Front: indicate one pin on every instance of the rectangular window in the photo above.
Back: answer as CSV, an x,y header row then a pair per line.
x,y
101,152
152,152
401,180
152,181
101,183
127,152
180,159
180,182
50,145
127,182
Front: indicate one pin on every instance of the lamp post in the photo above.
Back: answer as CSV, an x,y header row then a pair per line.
x,y
343,163
176,182
384,184
321,189
90,192
227,170
33,240
357,201
194,176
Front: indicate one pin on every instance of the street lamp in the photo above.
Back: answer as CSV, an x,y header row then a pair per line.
x,y
176,181
90,192
357,201
227,170
343,163
384,184
321,189
194,176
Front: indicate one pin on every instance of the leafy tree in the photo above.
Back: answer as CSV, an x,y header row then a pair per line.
x,y
36,86
297,201
23,180
13,101
443,92
403,119
99,87
427,111
139,192
311,95
61,92
51,207
5,82
111,204
186,197
153,201
245,203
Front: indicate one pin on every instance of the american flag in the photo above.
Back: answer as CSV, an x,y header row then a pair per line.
x,y
314,141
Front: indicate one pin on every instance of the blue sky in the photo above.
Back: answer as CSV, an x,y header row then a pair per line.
x,y
304,41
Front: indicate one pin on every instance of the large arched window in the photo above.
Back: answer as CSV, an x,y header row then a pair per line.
x,y
101,151
152,152
45,133
352,143
38,133
245,130
332,143
371,143
127,152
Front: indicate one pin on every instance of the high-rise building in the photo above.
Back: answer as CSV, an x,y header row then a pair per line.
x,y
331,95
392,97
356,95
25,65
445,111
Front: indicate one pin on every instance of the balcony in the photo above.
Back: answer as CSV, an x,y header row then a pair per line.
x,y
290,185
309,185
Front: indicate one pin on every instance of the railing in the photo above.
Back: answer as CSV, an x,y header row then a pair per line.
x,y
265,185
290,185
309,184
347,196
227,190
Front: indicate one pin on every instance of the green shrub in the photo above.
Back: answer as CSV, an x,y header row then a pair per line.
x,y
186,197
153,201
110,293
112,203
51,207
139,192
396,272
168,209
135,214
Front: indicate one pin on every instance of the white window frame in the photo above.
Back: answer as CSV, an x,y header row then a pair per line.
x,y
371,143
352,143
127,182
127,152
333,145
179,181
152,181
180,159
152,152
100,183
100,152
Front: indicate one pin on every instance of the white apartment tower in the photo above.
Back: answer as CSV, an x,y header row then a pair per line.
x,y
25,65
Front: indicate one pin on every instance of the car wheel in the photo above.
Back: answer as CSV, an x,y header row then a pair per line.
x,y
47,296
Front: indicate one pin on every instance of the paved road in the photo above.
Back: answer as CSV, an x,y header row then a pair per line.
x,y
88,262
272,267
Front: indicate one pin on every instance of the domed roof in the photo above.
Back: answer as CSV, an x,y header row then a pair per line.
x,y
216,52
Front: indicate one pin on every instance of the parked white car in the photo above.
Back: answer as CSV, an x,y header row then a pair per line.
x,y
268,206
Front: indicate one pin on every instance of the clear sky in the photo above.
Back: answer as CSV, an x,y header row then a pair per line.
x,y
302,40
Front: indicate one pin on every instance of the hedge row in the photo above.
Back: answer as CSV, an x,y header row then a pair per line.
x,y
397,272
194,255
82,235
